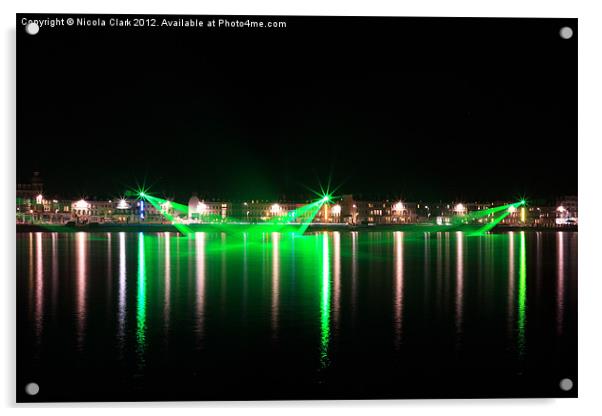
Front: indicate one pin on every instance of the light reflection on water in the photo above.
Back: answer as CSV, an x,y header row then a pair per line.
x,y
511,285
522,295
39,288
275,282
199,240
122,307
167,283
325,304
336,286
323,297
81,241
560,250
398,290
459,284
141,303
354,274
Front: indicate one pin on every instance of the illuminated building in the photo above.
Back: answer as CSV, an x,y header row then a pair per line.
x,y
356,211
206,211
120,210
543,216
81,208
123,205
254,211
460,209
39,208
567,211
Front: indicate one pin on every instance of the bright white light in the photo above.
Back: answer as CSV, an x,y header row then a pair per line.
x,y
122,204
336,210
81,204
460,208
512,209
166,205
398,206
39,199
275,209
560,209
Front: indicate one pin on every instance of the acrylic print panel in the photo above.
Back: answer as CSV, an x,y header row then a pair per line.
x,y
276,207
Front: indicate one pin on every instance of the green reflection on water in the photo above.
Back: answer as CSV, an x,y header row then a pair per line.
x,y
141,301
522,294
322,300
313,258
325,304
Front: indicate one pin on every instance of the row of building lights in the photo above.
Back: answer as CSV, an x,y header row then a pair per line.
x,y
275,209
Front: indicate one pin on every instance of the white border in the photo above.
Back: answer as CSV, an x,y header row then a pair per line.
x,y
590,137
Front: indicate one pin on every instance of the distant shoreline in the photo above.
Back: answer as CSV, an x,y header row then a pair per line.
x,y
132,228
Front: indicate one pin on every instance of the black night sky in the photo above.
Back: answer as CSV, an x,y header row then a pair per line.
x,y
425,109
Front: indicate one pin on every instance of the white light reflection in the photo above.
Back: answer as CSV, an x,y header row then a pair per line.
x,y
398,289
121,304
511,282
459,284
167,284
560,282
354,276
336,238
81,243
39,291
200,283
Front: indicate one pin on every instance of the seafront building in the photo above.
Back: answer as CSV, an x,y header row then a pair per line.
x,y
33,207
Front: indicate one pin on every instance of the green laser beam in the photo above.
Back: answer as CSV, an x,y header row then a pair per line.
x,y
159,206
296,220
299,219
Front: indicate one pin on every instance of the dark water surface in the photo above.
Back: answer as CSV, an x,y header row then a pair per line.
x,y
127,316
